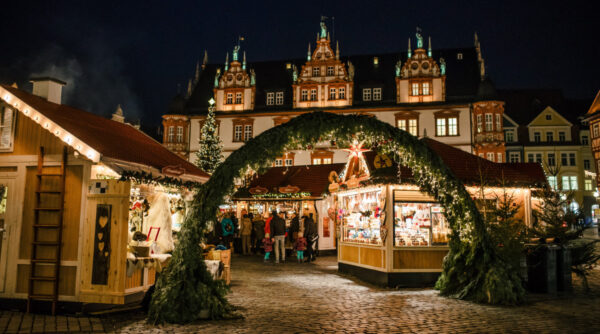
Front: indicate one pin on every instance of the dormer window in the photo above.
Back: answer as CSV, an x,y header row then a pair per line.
x,y
279,98
229,99
415,88
376,94
330,70
238,98
316,72
548,117
270,98
459,56
171,134
426,90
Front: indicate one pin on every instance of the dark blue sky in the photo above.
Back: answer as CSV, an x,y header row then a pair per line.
x,y
136,53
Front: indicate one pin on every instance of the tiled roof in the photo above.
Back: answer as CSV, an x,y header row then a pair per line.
x,y
110,138
313,179
462,79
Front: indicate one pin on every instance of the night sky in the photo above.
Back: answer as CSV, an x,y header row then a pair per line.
x,y
137,53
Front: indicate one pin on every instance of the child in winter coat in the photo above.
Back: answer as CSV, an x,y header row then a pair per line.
x,y
300,247
268,245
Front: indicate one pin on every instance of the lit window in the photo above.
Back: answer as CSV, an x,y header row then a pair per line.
x,y
289,162
552,182
316,161
304,95
376,94
171,134
585,140
415,89
489,123
342,93
238,98
514,157
180,134
549,136
498,122
330,70
237,133
498,157
459,56
569,183
327,161
596,130
279,98
537,137
316,71
440,127
562,136
479,123
509,136
426,88
270,99
402,124
7,129
332,93
229,98
278,162
588,185
586,164
551,159
413,127
247,132
366,94
452,126
490,156
313,94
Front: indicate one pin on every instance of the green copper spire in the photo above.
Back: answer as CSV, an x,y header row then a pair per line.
x,y
217,77
244,61
429,48
227,61
409,51
308,53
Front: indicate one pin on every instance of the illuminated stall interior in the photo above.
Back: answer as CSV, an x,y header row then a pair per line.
x,y
392,234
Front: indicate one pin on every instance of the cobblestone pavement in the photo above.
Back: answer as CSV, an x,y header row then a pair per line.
x,y
307,298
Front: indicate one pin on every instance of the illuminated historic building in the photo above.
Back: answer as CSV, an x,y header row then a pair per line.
x,y
427,92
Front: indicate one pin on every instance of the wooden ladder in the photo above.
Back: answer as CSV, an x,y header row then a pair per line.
x,y
41,246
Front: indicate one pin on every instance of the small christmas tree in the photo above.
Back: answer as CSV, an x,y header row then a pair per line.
x,y
210,154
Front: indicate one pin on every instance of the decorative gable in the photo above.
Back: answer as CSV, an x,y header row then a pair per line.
x,y
235,88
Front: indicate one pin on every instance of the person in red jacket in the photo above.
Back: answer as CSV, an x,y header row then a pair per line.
x,y
300,247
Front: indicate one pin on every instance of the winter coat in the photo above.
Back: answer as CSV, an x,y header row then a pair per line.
x,y
227,227
277,226
259,229
246,226
268,225
295,226
268,244
310,228
300,244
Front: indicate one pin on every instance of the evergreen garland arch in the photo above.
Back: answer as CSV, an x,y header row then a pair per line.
x,y
471,270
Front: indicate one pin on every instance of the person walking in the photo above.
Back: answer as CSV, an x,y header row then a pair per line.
x,y
278,236
227,231
310,231
246,231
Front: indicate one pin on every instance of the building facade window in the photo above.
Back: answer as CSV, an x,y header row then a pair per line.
x,y
548,117
534,157
229,99
426,90
562,136
321,157
289,162
552,182
569,183
237,132
342,93
514,157
238,98
489,123
479,123
509,136
247,132
551,159
588,185
537,137
446,124
586,164
415,89
490,156
243,129
549,136
376,94
366,94
572,159
498,122
278,162
332,93
180,134
499,157
585,140
313,94
270,98
171,134
286,160
316,71
330,71
596,130
408,121
279,98
304,95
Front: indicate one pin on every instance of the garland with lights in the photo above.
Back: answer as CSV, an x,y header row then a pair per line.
x,y
282,195
148,178
472,270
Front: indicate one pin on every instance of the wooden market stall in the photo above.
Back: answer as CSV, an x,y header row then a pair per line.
x,y
392,234
66,214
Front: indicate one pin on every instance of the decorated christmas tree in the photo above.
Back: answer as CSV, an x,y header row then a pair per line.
x,y
210,154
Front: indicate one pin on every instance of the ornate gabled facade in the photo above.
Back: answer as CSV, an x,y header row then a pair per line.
x,y
488,120
420,78
324,81
235,88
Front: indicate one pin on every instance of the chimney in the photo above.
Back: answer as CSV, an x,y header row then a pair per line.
x,y
48,88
